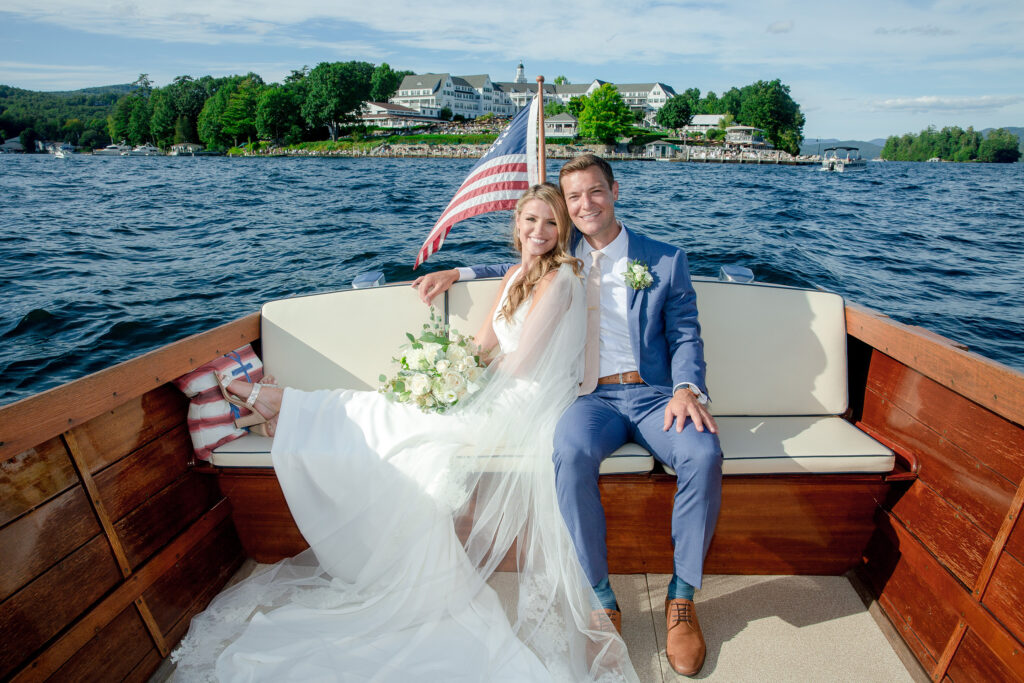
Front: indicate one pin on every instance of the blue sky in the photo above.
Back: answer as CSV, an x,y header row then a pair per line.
x,y
859,70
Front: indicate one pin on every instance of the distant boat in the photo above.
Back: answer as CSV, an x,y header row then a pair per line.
x,y
113,150
842,159
63,152
146,150
934,160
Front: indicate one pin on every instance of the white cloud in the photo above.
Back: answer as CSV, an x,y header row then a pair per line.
x,y
780,27
931,103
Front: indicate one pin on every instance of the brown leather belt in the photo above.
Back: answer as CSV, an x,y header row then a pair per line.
x,y
632,377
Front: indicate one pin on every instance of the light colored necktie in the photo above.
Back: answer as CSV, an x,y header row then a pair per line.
x,y
592,350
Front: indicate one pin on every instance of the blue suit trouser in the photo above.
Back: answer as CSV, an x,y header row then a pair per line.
x,y
596,425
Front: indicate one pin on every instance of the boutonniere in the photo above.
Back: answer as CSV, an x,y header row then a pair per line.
x,y
638,276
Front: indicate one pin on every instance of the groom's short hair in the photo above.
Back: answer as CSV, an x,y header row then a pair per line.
x,y
582,163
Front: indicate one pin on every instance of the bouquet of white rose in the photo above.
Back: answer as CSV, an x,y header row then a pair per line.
x,y
436,370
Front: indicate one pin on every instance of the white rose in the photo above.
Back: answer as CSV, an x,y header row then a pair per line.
x,y
415,358
430,350
448,397
453,381
443,366
419,385
456,353
473,373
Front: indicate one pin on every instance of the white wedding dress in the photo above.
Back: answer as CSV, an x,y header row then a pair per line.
x,y
408,516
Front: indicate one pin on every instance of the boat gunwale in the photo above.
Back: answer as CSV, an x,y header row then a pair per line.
x,y
43,416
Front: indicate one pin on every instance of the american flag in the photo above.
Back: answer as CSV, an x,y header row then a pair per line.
x,y
496,182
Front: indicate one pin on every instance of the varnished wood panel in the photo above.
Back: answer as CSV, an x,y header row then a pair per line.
x,y
988,439
145,669
920,615
202,599
112,655
41,417
986,382
815,524
173,594
959,545
39,611
33,477
1005,596
260,512
33,543
974,661
1015,544
110,436
154,523
968,484
133,480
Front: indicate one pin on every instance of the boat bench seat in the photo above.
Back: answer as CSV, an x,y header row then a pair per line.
x,y
776,369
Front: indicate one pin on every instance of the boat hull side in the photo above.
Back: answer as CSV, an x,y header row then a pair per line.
x,y
947,560
110,537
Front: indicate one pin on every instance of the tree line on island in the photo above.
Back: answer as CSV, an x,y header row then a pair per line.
x,y
952,143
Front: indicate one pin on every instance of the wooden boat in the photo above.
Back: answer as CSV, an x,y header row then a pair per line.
x,y
113,536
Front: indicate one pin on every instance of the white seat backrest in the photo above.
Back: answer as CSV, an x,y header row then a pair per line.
x,y
340,340
470,302
773,350
770,350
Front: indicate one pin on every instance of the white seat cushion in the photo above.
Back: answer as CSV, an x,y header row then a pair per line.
x,y
798,445
254,451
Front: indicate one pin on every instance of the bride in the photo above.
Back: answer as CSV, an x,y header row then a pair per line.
x,y
413,519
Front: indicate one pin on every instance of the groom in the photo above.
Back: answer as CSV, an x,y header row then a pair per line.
x,y
644,382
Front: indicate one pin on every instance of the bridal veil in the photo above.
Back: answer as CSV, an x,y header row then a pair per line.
x,y
412,520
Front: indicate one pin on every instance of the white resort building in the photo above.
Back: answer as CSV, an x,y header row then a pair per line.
x,y
702,123
745,136
473,96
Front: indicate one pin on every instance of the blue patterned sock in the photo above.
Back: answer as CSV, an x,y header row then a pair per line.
x,y
677,588
605,595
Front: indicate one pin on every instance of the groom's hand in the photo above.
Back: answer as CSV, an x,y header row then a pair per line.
x,y
685,405
432,284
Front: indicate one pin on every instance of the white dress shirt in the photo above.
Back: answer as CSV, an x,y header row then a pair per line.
x,y
616,349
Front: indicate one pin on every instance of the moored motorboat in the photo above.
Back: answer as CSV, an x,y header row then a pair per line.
x,y
118,535
146,150
841,159
114,150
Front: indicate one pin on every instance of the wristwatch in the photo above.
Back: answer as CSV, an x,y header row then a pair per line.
x,y
701,397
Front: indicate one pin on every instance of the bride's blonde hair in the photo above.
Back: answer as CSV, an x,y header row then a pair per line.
x,y
559,254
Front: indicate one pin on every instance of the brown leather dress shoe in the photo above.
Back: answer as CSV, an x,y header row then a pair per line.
x,y
684,644
605,619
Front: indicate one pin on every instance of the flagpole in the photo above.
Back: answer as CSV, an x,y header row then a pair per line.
x,y
541,152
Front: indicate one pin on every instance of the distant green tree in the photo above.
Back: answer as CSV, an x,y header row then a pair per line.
x,y
575,106
92,138
445,114
715,133
238,120
209,125
278,114
184,131
143,86
71,131
336,92
384,82
163,122
28,139
138,121
677,112
605,115
119,119
561,80
1000,146
554,107
767,105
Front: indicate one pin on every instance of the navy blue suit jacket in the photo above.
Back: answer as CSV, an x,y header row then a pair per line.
x,y
663,325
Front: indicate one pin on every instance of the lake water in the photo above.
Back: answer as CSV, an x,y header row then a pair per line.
x,y
102,259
